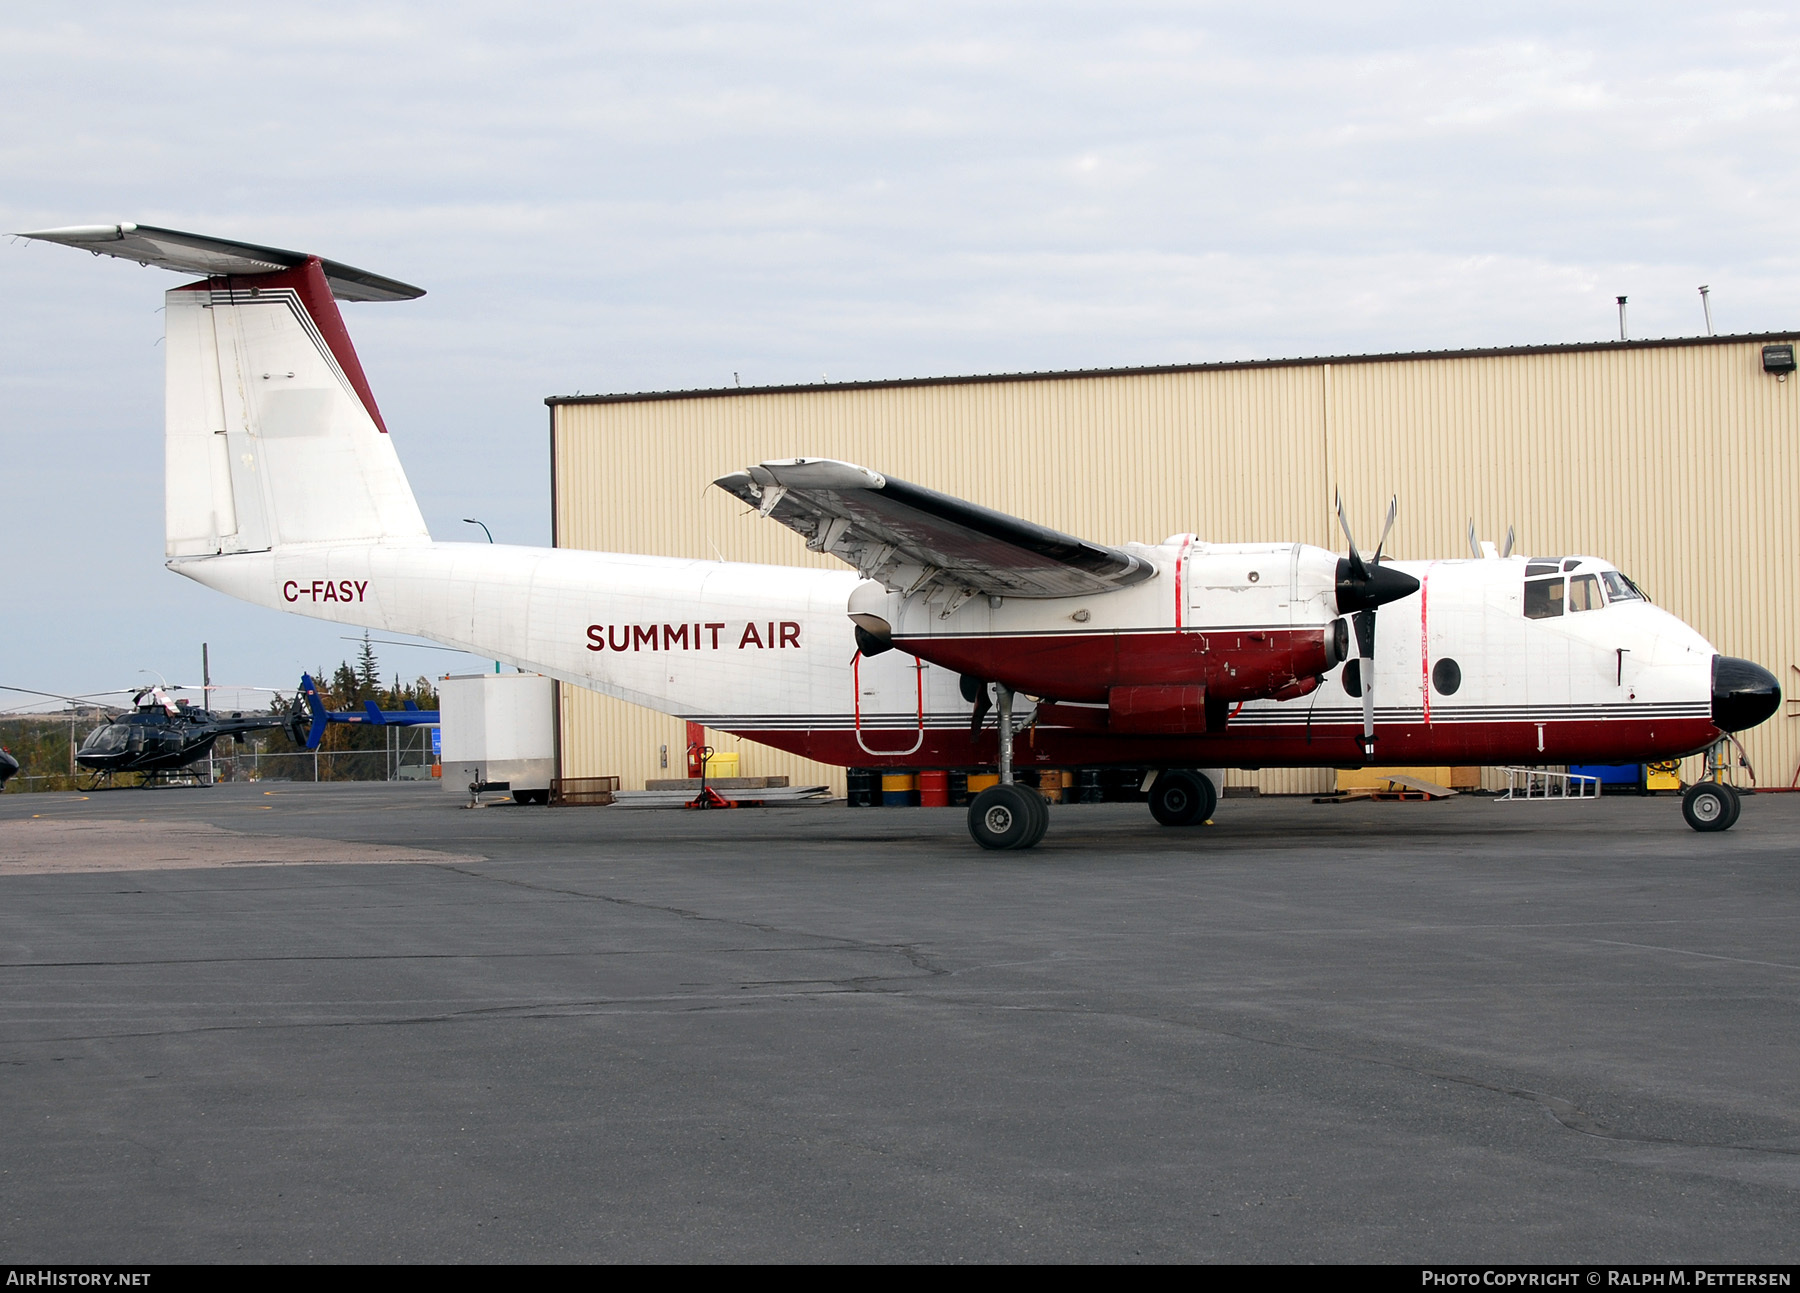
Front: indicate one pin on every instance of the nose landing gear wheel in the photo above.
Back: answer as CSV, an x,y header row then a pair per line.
x,y
1711,806
1008,817
1182,798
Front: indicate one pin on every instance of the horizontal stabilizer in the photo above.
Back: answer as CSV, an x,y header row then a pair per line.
x,y
914,539
192,253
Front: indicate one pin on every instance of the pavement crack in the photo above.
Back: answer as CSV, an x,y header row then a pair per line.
x,y
1566,1113
919,959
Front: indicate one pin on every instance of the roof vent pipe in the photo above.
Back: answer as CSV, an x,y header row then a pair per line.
x,y
1706,305
1622,318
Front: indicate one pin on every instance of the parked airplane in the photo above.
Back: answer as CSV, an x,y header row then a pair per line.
x,y
284,489
370,714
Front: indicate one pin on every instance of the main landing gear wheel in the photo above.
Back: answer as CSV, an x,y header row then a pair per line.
x,y
1008,817
1182,798
1711,806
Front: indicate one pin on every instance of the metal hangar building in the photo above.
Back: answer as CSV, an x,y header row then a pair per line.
x,y
1677,459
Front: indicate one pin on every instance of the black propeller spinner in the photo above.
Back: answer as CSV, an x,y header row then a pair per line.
x,y
1362,586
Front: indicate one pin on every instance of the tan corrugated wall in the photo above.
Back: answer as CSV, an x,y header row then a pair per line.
x,y
1677,463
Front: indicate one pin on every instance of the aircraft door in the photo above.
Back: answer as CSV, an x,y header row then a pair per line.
x,y
1475,638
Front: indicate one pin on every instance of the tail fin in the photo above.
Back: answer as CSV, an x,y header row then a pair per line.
x,y
273,436
310,690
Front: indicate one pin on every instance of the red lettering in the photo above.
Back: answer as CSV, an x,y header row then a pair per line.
x,y
612,638
596,638
345,588
641,634
360,585
715,635
790,633
287,591
672,635
315,590
750,635
330,591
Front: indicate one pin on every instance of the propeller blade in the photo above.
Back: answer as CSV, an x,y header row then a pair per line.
x,y
1364,622
1507,550
1388,525
1474,544
1357,569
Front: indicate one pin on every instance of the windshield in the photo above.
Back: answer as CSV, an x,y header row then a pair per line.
x,y
104,740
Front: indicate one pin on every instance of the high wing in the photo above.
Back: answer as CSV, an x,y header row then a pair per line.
x,y
193,253
916,540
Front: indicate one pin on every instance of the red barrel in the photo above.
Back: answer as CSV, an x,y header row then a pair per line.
x,y
934,788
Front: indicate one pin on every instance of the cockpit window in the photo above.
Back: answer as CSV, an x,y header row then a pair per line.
x,y
1541,567
1571,563
105,740
1619,588
1543,598
1584,593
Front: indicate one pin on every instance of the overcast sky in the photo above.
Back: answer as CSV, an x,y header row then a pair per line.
x,y
636,197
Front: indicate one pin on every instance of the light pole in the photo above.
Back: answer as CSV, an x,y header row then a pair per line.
x,y
469,520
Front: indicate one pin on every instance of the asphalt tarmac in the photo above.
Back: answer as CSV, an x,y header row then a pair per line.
x,y
360,1023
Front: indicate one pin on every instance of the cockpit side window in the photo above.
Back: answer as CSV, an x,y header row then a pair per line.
x,y
1584,593
1543,598
1619,588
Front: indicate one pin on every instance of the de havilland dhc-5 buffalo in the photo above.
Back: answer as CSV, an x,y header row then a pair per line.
x,y
1183,657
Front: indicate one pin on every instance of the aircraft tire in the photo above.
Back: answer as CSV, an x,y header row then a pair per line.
x,y
1737,805
1182,798
1710,806
1004,817
1040,810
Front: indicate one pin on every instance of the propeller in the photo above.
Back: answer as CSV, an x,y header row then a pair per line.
x,y
1362,587
1475,544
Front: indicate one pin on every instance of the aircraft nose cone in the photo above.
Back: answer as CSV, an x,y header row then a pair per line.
x,y
1377,586
1743,693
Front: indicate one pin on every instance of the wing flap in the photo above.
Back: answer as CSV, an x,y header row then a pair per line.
x,y
914,539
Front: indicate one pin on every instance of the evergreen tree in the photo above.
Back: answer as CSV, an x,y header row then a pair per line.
x,y
368,673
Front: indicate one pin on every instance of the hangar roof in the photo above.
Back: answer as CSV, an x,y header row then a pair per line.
x,y
1493,352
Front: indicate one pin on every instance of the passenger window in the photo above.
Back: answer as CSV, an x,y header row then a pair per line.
x,y
1543,598
1584,593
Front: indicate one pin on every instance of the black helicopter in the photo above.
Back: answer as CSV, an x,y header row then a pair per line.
x,y
159,736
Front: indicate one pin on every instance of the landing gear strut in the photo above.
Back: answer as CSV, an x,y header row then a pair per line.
x,y
1008,816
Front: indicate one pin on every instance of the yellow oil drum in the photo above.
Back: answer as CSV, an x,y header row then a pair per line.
x,y
899,790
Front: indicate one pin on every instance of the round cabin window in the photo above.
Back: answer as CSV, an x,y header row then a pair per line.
x,y
1446,676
